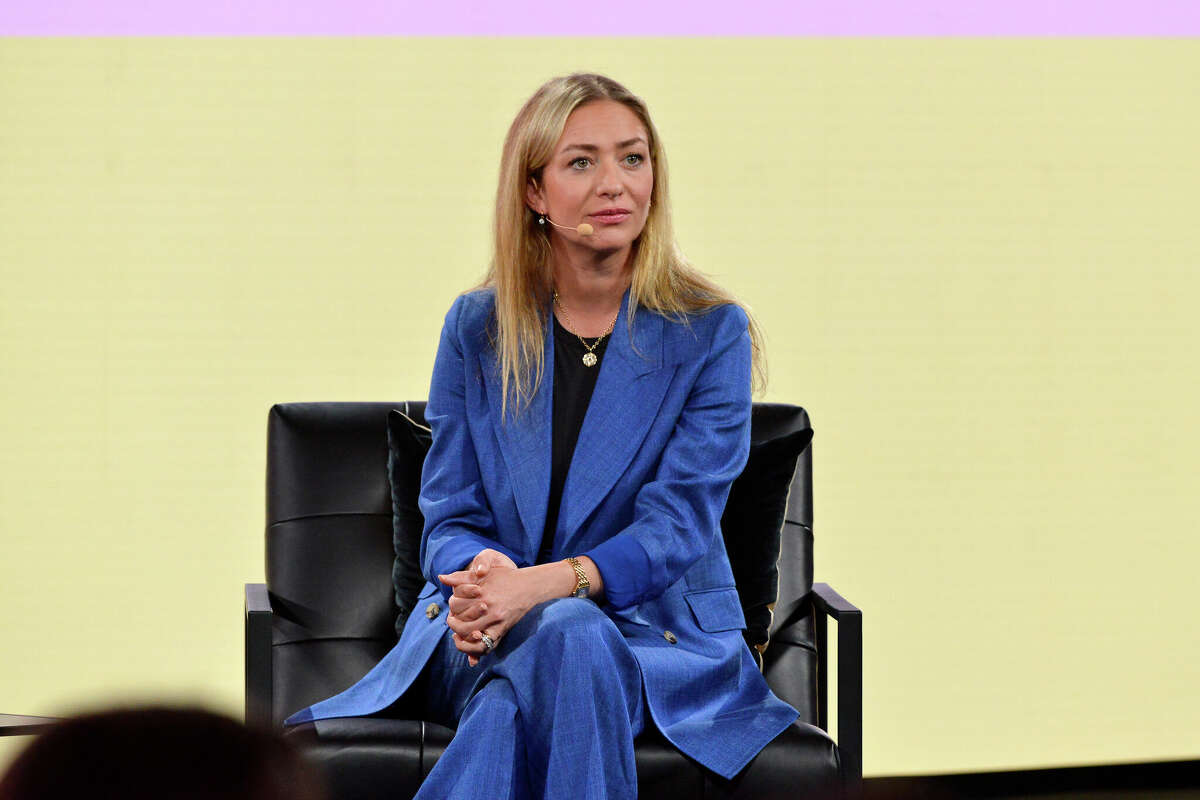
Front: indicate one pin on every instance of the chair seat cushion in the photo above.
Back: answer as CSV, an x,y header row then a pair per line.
x,y
377,757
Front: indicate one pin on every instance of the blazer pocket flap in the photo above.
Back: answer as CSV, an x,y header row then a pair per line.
x,y
716,609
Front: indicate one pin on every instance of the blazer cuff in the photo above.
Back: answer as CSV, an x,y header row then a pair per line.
x,y
625,569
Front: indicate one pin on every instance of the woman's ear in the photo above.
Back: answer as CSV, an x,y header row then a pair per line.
x,y
533,195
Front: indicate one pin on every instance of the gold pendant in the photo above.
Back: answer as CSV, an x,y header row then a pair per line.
x,y
589,359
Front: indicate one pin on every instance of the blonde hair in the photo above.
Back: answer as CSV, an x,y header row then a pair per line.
x,y
521,268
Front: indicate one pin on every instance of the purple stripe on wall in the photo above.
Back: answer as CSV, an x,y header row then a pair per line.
x,y
602,18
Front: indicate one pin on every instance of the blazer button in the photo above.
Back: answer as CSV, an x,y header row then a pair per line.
x,y
670,637
433,610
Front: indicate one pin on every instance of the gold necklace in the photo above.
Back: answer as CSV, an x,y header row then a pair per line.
x,y
589,358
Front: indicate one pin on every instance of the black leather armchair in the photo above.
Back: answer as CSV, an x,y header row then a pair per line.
x,y
325,616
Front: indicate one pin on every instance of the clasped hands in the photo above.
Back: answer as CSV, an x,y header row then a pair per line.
x,y
490,596
493,593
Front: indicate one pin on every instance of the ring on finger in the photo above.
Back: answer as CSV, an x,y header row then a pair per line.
x,y
488,642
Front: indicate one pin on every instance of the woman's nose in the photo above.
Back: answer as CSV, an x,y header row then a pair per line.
x,y
609,182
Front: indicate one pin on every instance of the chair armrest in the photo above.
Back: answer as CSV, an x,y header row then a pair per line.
x,y
259,676
849,696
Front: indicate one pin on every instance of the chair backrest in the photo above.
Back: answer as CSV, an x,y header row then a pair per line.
x,y
329,552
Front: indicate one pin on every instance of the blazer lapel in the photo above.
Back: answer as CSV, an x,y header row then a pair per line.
x,y
525,442
629,391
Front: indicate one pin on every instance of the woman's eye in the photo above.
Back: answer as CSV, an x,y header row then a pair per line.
x,y
640,158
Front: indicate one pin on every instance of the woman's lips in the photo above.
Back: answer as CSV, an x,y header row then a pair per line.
x,y
611,219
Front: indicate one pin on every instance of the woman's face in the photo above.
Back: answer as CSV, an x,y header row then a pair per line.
x,y
601,162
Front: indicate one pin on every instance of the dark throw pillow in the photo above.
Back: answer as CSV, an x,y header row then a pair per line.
x,y
751,527
408,443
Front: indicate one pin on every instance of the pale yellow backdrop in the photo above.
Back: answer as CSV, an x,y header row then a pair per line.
x,y
975,261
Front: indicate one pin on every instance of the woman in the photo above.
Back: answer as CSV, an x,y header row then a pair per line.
x,y
581,605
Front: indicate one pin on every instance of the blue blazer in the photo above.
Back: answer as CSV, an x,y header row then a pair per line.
x,y
666,432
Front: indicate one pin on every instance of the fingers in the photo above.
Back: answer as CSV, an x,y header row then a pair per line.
x,y
467,610
468,590
479,564
470,645
473,646
494,558
468,635
468,629
474,572
457,578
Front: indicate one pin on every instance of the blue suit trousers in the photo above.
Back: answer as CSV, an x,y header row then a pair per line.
x,y
551,713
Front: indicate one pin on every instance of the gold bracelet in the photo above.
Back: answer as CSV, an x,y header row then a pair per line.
x,y
581,579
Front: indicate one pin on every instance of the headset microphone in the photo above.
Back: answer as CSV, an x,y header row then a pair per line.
x,y
583,229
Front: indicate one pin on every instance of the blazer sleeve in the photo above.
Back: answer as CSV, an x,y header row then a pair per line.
x,y
458,519
677,514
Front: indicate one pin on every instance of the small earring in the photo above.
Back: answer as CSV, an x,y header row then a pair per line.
x,y
541,220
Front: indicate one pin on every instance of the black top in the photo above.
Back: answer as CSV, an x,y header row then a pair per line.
x,y
573,385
